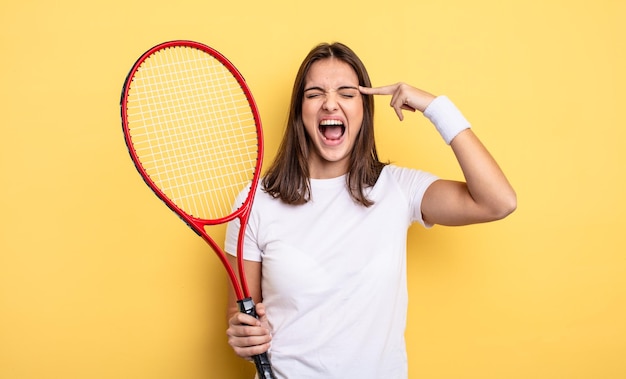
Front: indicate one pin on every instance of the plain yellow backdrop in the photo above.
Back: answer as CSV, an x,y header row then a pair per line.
x,y
99,280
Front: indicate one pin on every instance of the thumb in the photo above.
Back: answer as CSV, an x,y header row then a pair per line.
x,y
260,309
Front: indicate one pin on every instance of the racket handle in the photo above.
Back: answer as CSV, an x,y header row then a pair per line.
x,y
261,361
263,366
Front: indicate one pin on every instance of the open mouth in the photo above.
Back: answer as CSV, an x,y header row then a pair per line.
x,y
332,129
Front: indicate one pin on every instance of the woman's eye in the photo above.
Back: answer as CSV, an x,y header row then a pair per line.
x,y
313,95
348,94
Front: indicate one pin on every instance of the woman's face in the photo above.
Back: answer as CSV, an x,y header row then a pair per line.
x,y
332,112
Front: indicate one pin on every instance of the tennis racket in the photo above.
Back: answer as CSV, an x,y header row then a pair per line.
x,y
194,134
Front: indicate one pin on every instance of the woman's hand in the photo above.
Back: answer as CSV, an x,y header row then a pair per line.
x,y
403,97
486,194
247,335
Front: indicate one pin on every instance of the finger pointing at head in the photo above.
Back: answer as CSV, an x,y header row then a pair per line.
x,y
384,90
399,101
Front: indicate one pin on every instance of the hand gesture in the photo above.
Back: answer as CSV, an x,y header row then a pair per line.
x,y
403,97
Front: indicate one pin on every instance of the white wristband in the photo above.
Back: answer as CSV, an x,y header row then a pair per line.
x,y
446,117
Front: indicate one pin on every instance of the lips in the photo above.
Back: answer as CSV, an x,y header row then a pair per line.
x,y
332,129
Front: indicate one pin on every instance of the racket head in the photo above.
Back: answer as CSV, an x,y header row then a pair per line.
x,y
193,131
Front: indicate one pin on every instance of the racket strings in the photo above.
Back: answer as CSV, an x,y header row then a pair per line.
x,y
193,130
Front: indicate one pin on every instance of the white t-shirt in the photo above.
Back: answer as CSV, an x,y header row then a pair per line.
x,y
334,276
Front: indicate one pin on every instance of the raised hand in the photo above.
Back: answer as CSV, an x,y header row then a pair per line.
x,y
403,97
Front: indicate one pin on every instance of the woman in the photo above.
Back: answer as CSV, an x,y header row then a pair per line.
x,y
326,241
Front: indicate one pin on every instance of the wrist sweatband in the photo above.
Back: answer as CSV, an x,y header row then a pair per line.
x,y
446,117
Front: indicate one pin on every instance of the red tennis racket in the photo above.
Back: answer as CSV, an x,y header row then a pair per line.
x,y
194,133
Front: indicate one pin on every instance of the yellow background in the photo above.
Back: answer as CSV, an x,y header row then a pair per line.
x,y
99,280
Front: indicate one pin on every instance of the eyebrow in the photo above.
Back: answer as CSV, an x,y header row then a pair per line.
x,y
338,89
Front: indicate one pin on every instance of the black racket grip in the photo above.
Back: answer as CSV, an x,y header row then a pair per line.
x,y
261,361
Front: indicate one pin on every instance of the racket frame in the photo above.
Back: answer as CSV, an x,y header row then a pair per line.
x,y
240,284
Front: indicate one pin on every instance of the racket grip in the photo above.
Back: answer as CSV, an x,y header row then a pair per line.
x,y
261,361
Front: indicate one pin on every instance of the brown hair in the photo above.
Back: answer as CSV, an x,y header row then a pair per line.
x,y
288,176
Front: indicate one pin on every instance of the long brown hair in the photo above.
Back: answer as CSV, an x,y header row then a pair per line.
x,y
288,176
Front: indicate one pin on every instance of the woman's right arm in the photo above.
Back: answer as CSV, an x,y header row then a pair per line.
x,y
247,335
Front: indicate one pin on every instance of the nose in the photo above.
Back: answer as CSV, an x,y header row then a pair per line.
x,y
330,102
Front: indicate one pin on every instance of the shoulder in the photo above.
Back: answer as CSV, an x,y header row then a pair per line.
x,y
407,176
266,202
406,182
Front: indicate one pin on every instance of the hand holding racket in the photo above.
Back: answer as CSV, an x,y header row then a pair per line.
x,y
194,133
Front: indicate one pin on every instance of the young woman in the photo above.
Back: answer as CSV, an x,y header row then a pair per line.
x,y
326,241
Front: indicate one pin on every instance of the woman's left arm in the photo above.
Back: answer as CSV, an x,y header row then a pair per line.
x,y
486,195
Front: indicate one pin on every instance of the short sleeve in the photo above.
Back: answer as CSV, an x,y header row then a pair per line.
x,y
413,183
